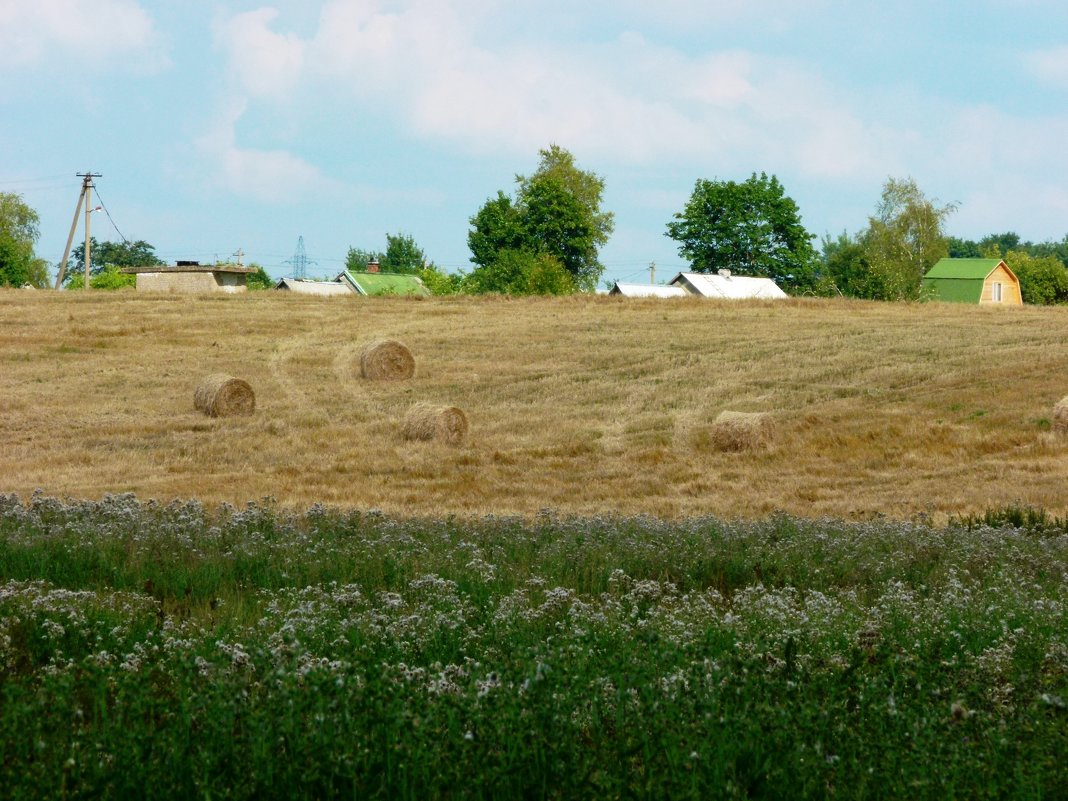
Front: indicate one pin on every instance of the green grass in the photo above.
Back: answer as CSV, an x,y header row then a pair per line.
x,y
154,650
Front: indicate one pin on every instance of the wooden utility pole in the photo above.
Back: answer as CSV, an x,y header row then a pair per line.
x,y
87,183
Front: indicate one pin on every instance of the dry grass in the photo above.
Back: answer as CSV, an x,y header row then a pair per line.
x,y
386,360
1060,416
583,404
427,422
221,395
737,431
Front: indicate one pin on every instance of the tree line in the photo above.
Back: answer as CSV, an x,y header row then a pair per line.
x,y
545,239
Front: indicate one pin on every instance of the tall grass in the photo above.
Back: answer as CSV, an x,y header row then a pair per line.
x,y
155,650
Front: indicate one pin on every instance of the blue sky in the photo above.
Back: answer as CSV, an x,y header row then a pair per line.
x,y
226,125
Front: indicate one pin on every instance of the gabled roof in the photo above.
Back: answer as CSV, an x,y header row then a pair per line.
x,y
728,286
647,291
961,280
384,284
964,269
302,287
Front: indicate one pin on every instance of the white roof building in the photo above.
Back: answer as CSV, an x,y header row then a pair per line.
x,y
302,287
647,291
725,285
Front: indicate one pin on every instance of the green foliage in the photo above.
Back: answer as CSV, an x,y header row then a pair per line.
x,y
844,265
519,272
1043,279
402,255
259,279
905,238
357,259
996,245
557,213
957,248
19,232
751,228
109,254
497,227
440,282
256,653
108,277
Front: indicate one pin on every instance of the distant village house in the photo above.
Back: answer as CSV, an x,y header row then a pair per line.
x,y
191,276
983,281
705,285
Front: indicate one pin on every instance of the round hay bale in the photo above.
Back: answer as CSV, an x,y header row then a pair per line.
x,y
1060,416
220,395
427,422
386,360
741,431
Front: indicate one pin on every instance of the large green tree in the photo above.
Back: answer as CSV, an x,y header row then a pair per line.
x,y
844,268
402,255
556,212
109,257
905,237
520,272
19,233
752,228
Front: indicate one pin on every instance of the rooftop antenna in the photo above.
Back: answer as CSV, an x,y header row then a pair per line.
x,y
299,261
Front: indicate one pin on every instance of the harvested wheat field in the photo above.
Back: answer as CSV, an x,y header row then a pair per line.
x,y
584,405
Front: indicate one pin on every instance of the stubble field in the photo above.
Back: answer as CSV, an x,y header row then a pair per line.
x,y
582,405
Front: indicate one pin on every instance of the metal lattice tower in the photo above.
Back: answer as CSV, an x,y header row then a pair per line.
x,y
300,260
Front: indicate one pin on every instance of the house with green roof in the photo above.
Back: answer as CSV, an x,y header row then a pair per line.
x,y
372,284
982,281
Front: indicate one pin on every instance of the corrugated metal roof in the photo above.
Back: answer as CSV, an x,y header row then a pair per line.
x,y
301,287
647,291
735,287
385,283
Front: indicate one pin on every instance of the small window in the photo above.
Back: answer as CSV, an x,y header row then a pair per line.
x,y
996,292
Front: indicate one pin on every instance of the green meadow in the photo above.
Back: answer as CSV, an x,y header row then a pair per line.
x,y
175,651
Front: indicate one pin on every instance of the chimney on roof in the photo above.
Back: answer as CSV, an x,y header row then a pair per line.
x,y
372,266
724,273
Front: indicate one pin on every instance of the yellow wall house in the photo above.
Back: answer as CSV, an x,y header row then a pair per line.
x,y
973,281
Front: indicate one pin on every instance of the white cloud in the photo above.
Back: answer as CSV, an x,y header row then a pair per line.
x,y
1005,171
267,175
39,31
1050,65
628,99
265,63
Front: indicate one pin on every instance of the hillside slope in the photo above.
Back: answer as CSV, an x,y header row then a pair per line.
x,y
583,405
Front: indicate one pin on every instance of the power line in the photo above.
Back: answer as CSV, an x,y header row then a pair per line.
x,y
100,200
